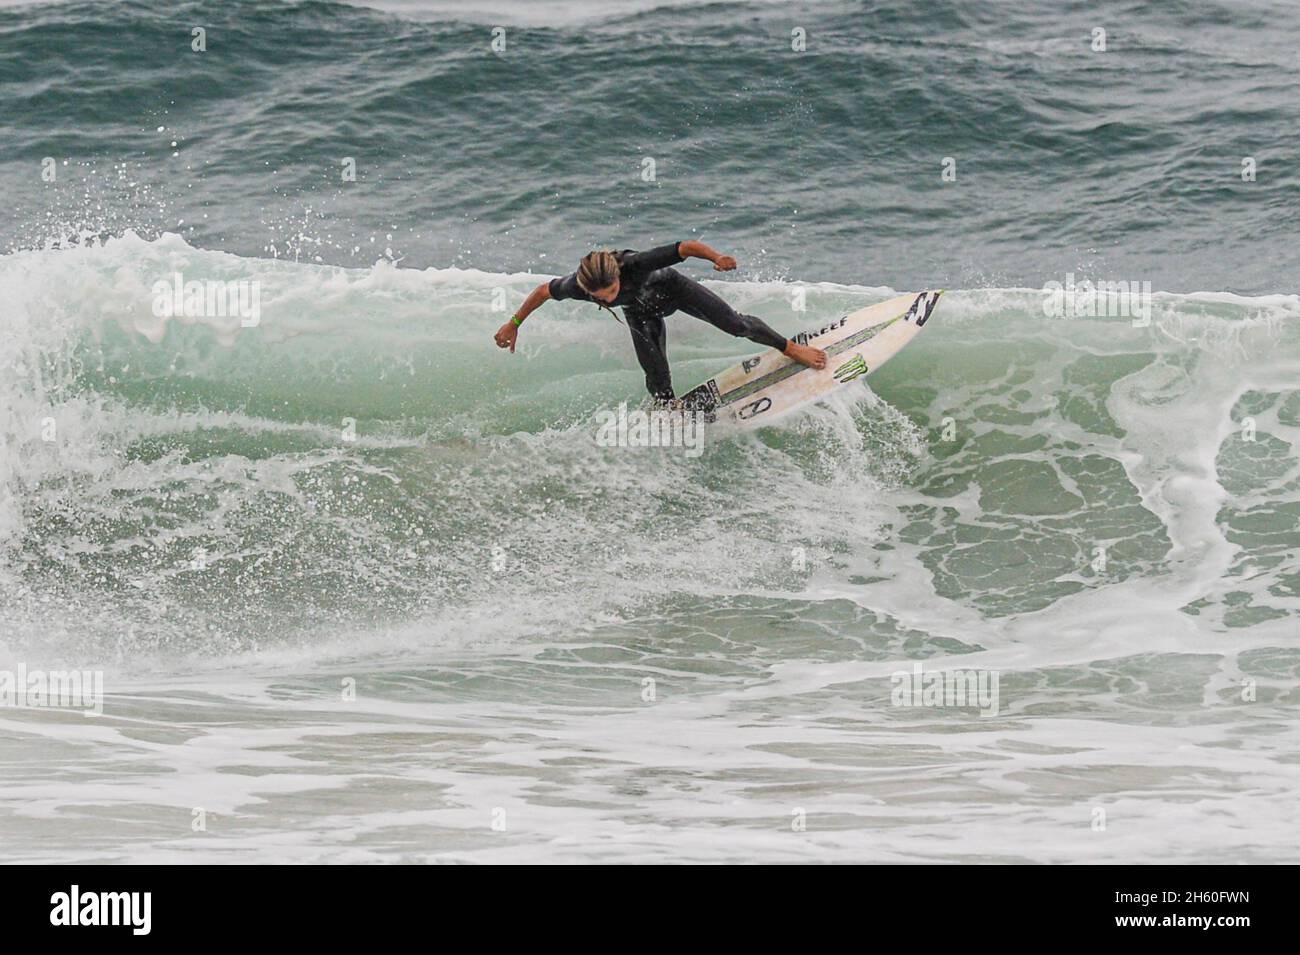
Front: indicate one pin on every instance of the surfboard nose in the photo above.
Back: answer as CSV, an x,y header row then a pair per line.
x,y
920,311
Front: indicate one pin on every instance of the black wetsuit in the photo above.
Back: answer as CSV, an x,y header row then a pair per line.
x,y
649,290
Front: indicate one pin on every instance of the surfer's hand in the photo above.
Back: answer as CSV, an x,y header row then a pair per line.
x,y
506,335
724,263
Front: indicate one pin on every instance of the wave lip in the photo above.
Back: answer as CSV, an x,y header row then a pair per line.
x,y
364,456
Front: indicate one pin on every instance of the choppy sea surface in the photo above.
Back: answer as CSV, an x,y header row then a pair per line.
x,y
364,588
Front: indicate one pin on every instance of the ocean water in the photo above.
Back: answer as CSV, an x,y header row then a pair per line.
x,y
364,588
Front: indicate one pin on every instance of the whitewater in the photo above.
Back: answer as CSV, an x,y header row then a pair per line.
x,y
365,588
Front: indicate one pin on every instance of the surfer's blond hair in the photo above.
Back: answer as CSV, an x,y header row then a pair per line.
x,y
597,270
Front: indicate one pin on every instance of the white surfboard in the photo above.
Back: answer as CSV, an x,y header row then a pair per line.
x,y
768,386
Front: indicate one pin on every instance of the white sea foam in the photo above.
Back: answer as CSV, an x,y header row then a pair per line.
x,y
768,588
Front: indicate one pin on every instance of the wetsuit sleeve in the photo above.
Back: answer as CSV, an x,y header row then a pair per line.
x,y
659,257
567,287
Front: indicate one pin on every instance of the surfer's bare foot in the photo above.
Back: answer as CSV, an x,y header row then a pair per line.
x,y
805,354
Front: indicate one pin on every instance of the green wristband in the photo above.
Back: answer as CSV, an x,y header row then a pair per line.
x,y
516,320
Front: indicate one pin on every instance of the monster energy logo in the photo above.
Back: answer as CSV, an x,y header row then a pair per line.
x,y
855,366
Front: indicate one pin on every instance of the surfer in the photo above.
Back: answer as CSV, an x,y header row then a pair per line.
x,y
649,290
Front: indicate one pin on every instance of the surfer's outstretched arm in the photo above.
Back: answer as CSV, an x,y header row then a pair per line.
x,y
694,249
507,333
